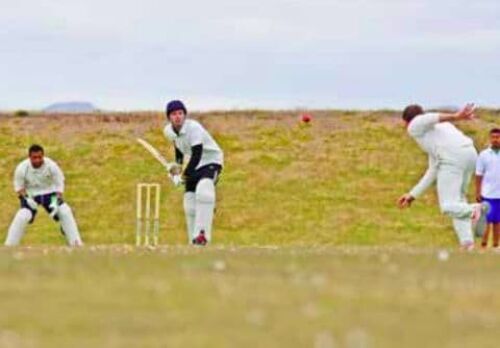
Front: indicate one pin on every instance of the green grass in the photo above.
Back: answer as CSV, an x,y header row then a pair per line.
x,y
334,181
247,297
310,250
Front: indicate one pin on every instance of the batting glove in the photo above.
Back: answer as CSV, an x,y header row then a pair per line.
x,y
177,180
174,168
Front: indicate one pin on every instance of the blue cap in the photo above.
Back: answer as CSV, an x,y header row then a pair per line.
x,y
175,105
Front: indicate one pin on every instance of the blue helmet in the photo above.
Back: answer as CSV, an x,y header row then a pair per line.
x,y
175,105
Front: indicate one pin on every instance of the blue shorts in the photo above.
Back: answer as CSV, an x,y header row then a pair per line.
x,y
493,216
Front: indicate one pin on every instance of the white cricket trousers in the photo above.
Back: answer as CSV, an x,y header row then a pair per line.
x,y
455,170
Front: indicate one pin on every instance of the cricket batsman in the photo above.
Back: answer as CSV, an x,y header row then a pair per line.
x,y
452,162
38,181
200,174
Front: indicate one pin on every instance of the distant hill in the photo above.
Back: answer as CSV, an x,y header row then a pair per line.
x,y
71,107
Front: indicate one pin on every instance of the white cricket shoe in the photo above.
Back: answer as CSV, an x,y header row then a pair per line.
x,y
468,246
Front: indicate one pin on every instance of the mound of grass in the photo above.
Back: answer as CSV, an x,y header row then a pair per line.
x,y
334,181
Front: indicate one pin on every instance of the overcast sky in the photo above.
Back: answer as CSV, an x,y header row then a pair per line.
x,y
261,53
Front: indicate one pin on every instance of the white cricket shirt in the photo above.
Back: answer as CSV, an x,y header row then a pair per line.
x,y
192,133
488,166
435,138
48,178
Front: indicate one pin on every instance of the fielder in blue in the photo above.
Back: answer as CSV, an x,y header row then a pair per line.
x,y
488,186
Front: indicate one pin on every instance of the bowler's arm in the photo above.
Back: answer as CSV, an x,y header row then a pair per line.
x,y
427,180
422,124
466,113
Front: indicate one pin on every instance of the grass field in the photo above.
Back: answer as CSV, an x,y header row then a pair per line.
x,y
310,250
247,297
333,182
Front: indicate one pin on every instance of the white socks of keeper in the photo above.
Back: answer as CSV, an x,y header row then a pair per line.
x,y
68,225
23,217
18,227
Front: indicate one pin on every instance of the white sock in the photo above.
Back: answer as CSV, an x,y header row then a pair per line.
x,y
18,227
68,224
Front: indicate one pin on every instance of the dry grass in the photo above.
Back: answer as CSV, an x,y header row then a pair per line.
x,y
289,192
332,182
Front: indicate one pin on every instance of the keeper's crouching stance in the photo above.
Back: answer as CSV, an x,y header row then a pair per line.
x,y
39,181
201,173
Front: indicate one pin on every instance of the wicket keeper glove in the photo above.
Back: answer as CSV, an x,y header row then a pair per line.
x,y
31,202
54,206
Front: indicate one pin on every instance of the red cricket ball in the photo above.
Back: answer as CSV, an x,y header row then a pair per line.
x,y
306,118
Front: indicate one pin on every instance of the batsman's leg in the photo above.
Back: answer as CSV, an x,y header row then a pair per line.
x,y
205,204
18,227
68,224
190,212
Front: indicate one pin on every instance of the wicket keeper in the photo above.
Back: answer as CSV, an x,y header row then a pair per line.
x,y
38,181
